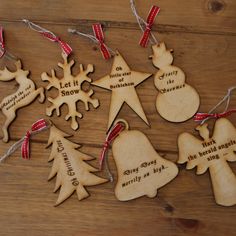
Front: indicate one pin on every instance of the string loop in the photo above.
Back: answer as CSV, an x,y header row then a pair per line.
x,y
24,142
114,132
203,117
97,38
146,26
3,51
65,47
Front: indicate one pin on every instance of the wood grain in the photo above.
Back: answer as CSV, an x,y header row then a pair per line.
x,y
202,32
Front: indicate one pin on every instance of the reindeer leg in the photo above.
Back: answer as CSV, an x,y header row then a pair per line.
x,y
10,117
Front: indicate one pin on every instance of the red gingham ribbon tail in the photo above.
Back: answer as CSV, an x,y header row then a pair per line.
x,y
65,47
2,45
25,147
110,137
150,20
203,116
97,30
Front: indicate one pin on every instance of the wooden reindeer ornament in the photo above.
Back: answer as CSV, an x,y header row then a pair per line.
x,y
213,153
176,100
69,165
70,91
122,82
25,94
140,169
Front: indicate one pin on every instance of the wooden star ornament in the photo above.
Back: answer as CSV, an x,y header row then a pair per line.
x,y
122,82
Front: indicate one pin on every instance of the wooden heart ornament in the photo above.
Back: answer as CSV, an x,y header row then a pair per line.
x,y
176,100
141,170
213,153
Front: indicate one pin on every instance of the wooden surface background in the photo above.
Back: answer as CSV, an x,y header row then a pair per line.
x,y
203,34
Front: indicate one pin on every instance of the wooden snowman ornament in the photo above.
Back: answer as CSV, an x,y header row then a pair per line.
x,y
141,170
213,152
176,100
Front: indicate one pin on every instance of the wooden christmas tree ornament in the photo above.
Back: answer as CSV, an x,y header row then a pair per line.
x,y
176,100
25,94
70,91
122,82
213,153
141,170
69,165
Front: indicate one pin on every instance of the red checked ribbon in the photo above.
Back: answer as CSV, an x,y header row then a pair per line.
x,y
37,126
64,46
2,45
110,137
97,30
203,116
150,20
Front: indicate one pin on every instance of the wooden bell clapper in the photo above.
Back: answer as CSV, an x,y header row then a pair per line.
x,y
140,169
70,167
176,100
25,94
121,81
213,151
69,87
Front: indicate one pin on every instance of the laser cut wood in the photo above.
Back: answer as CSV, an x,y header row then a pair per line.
x,y
122,82
213,153
25,94
141,170
69,165
176,100
70,91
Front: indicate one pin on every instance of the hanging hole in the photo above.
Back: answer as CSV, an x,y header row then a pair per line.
x,y
122,122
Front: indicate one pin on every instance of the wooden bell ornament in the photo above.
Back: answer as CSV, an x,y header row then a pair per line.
x,y
141,170
176,100
213,153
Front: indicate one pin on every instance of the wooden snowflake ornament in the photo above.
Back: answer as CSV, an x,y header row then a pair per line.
x,y
70,168
70,91
213,153
25,94
122,82
176,100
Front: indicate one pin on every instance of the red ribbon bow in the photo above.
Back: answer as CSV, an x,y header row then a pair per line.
x,y
97,30
37,126
203,116
2,45
110,137
150,20
64,46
